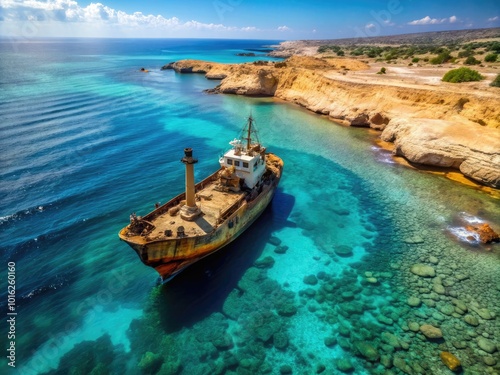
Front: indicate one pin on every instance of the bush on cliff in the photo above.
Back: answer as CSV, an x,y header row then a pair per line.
x,y
496,81
471,60
442,58
462,75
491,57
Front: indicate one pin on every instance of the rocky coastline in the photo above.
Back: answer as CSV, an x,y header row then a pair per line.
x,y
429,122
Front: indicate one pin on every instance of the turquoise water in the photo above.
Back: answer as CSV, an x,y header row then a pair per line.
x,y
87,139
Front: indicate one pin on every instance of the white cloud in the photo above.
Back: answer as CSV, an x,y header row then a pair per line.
x,y
250,29
433,21
284,28
493,19
370,26
97,14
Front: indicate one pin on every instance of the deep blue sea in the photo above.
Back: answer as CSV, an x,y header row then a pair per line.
x,y
86,138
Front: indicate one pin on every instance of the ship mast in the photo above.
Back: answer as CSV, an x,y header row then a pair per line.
x,y
249,132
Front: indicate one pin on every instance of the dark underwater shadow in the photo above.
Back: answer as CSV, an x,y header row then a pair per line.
x,y
202,288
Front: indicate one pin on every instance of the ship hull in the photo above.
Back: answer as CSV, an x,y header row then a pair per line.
x,y
170,256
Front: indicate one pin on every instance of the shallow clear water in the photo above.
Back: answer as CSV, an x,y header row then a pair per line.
x,y
87,139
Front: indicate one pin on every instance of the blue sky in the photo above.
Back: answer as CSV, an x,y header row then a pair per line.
x,y
249,19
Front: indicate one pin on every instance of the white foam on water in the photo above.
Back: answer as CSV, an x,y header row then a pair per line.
x,y
464,235
95,324
382,155
3,219
471,219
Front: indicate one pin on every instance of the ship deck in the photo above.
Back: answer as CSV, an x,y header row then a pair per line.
x,y
215,206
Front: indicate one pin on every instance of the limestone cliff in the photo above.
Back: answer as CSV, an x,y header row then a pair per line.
x,y
456,126
448,144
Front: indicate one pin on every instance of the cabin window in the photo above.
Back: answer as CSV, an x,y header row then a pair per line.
x,y
229,161
245,164
255,166
236,163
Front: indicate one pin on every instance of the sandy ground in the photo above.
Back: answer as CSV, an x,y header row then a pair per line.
x,y
418,77
423,76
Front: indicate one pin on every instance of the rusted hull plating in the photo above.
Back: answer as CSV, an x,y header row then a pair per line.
x,y
169,257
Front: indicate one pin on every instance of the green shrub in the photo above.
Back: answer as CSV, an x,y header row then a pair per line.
x,y
496,81
471,60
442,58
340,53
494,46
491,57
382,71
465,53
415,60
462,75
357,52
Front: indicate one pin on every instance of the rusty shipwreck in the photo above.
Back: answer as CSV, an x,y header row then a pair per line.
x,y
209,214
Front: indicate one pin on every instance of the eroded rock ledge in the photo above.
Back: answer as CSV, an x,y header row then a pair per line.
x,y
445,126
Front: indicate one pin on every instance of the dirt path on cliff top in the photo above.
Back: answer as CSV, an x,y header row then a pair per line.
x,y
423,78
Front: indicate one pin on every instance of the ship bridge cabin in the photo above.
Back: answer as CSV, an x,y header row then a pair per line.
x,y
249,164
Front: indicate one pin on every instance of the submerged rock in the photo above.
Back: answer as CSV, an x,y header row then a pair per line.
x,y
400,363
414,301
431,332
367,350
489,361
274,241
414,326
224,342
280,249
266,262
344,365
150,362
391,340
310,280
472,320
343,250
452,362
423,270
286,369
280,341
414,240
485,314
486,345
287,309
330,341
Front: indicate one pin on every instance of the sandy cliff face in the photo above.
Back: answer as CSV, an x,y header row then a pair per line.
x,y
456,126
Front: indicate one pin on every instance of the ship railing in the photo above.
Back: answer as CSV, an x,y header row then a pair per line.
x,y
177,200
